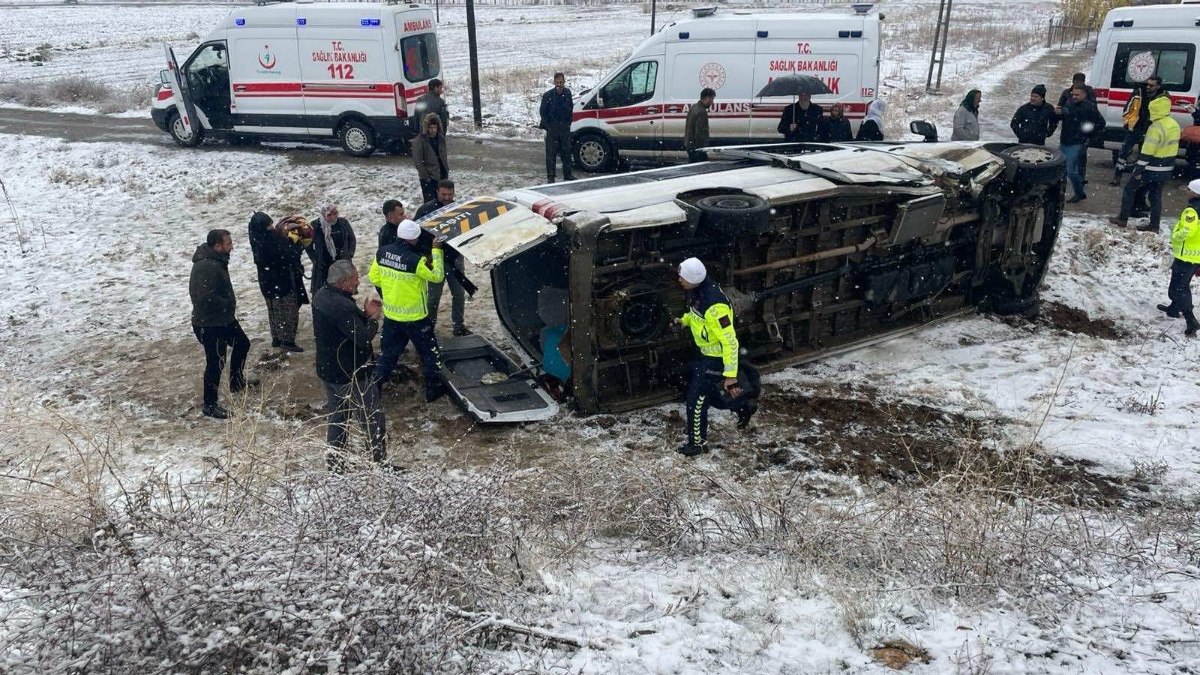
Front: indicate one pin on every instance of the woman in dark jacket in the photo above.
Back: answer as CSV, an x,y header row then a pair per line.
x,y
277,252
836,128
872,128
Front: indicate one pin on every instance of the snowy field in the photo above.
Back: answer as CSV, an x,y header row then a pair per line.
x,y
980,496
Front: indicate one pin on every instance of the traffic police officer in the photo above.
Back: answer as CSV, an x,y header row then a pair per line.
x,y
403,276
1185,245
715,370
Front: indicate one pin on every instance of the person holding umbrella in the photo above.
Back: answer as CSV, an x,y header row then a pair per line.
x,y
801,121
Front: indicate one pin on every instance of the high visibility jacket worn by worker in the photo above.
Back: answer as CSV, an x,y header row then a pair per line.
x,y
403,276
1185,238
1161,145
710,318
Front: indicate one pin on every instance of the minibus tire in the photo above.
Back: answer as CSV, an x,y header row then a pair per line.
x,y
597,147
1035,164
735,214
357,138
175,128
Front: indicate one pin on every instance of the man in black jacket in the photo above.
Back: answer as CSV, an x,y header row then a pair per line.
x,y
1035,121
801,121
432,102
214,321
393,215
333,240
555,111
345,362
456,279
1080,121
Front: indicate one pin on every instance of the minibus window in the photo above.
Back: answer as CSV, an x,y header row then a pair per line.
x,y
420,54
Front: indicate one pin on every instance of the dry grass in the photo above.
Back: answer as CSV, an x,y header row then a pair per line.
x,y
77,91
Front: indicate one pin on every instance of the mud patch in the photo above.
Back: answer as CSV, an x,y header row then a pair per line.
x,y
1060,316
859,433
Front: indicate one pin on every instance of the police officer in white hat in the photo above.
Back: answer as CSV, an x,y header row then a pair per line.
x,y
715,370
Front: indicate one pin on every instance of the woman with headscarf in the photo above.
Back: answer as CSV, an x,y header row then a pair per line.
x,y
966,118
836,128
281,273
872,128
333,240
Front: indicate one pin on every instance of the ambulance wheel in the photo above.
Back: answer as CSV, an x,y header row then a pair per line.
x,y
357,138
594,153
180,133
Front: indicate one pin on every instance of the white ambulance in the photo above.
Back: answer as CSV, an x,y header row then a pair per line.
x,y
1137,42
349,73
640,109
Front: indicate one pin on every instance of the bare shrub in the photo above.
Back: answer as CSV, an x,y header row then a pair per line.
x,y
1096,245
79,90
76,90
1142,404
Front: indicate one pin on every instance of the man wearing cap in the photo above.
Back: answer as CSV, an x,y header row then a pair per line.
x,y
710,318
1185,245
1034,121
333,239
403,276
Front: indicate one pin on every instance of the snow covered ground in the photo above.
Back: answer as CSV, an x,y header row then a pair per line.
x,y
95,343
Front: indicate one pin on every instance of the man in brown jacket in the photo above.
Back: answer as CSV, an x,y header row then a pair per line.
x,y
695,134
429,155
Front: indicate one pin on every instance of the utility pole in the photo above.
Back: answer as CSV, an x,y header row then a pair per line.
x,y
653,13
938,57
437,11
473,49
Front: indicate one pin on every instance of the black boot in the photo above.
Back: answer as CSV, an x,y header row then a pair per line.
x,y
1192,324
216,411
744,415
1169,310
691,450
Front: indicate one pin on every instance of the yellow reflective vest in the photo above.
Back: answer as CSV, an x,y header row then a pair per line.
x,y
1161,144
710,319
403,276
1185,238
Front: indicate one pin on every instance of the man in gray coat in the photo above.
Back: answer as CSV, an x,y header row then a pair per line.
x,y
695,131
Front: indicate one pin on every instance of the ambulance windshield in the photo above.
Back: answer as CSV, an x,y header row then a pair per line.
x,y
420,53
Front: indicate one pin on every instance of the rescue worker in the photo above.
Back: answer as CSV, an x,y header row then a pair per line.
x,y
1185,245
836,128
801,121
1034,121
1080,121
432,102
214,320
402,274
695,131
966,117
429,156
555,113
1155,164
456,279
393,215
344,362
1131,116
715,369
333,239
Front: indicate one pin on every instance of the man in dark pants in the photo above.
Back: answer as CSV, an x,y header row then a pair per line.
x,y
1080,121
393,215
1185,246
715,370
460,285
214,321
345,362
1155,164
695,129
1079,80
403,275
556,110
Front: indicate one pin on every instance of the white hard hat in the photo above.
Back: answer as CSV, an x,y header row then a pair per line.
x,y
692,271
408,230
1194,186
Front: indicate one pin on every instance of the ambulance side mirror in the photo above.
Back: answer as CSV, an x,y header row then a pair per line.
x,y
164,76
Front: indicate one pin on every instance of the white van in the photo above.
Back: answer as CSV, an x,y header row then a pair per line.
x,y
640,109
1137,42
301,71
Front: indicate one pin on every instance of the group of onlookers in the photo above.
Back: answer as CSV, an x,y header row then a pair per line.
x,y
408,270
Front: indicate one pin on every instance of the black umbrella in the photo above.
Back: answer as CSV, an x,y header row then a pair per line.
x,y
793,85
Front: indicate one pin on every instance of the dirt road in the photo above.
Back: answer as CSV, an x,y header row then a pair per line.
x,y
473,153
